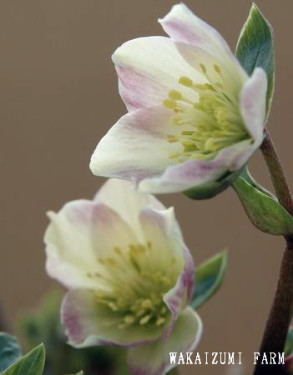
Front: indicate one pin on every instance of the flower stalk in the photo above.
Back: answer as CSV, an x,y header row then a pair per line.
x,y
282,308
277,173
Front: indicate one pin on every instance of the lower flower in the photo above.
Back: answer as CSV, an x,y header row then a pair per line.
x,y
129,275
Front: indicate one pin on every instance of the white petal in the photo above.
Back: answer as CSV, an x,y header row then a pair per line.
x,y
136,146
193,173
80,233
154,358
123,197
89,323
162,231
185,27
148,68
253,104
227,73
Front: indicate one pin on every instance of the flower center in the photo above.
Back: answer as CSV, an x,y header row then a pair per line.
x,y
144,285
209,122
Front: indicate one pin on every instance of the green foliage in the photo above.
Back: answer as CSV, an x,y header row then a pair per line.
x,y
213,188
43,325
263,208
9,350
30,364
255,47
289,343
208,278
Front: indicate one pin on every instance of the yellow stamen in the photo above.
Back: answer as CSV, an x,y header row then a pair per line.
x,y
185,81
175,95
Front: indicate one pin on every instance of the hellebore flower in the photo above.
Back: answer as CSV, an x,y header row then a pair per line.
x,y
129,275
194,114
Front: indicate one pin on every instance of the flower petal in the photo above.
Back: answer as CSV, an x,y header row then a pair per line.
x,y
170,254
90,323
192,173
136,146
148,68
224,72
78,234
123,197
253,104
182,25
185,27
154,358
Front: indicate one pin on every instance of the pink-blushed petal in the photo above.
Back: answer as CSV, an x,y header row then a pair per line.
x,y
180,294
160,228
78,235
192,173
154,358
89,323
253,104
136,146
124,198
228,73
183,26
169,253
148,68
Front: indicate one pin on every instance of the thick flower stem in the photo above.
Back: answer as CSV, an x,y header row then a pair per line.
x,y
280,316
282,308
277,173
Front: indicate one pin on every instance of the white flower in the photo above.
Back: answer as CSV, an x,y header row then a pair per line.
x,y
194,114
129,274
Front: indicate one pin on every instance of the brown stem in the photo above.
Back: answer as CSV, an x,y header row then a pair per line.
x,y
282,308
277,173
280,316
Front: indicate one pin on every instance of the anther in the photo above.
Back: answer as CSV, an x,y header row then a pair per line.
x,y
160,321
170,103
145,320
185,81
203,68
175,95
217,68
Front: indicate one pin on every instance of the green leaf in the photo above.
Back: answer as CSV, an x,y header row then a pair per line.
x,y
263,209
289,343
213,188
208,278
30,364
248,178
9,350
255,47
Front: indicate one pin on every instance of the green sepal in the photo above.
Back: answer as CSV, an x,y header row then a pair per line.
x,y
289,343
9,350
262,208
213,188
30,364
208,278
255,48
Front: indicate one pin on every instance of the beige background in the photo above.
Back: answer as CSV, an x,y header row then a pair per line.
x,y
59,96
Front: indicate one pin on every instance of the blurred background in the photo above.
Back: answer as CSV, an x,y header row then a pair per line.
x,y
58,96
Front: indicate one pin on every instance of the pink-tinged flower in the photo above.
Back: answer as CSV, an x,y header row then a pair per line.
x,y
194,114
129,275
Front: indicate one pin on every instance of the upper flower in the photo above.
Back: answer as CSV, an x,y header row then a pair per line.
x,y
194,114
129,273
